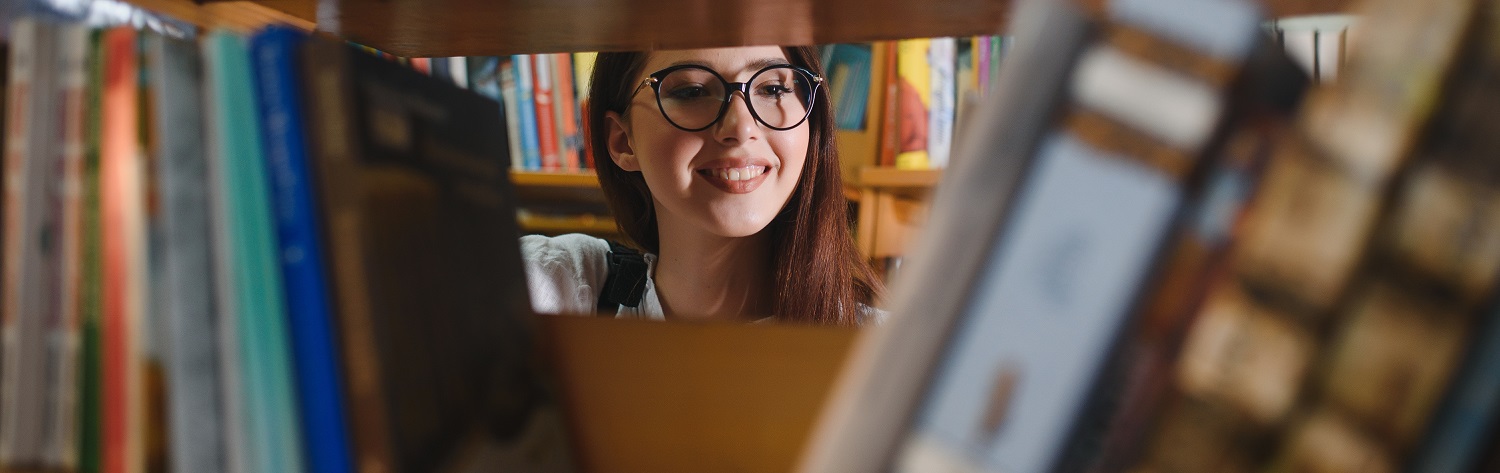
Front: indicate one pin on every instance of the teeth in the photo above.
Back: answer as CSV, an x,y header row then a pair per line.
x,y
739,174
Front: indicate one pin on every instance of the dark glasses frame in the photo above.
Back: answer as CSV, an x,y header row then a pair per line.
x,y
654,81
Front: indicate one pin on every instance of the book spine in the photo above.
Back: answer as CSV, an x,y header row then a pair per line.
x,y
122,225
319,380
239,450
1079,200
271,421
986,48
194,422
332,115
942,107
440,68
567,113
30,172
914,106
547,132
459,67
583,70
90,292
61,446
526,108
890,114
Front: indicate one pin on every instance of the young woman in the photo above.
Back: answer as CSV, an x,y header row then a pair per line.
x,y
720,165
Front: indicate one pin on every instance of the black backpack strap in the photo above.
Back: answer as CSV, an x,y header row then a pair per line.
x,y
626,282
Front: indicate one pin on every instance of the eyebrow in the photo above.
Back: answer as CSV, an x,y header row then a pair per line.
x,y
755,65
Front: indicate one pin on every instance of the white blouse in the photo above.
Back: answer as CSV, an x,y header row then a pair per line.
x,y
565,274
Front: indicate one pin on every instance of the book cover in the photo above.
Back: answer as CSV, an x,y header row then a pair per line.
x,y
458,66
194,424
848,67
583,71
30,258
90,417
122,213
966,76
1087,226
914,105
427,280
60,442
495,77
859,70
566,112
890,101
315,351
942,106
879,392
543,81
273,438
440,68
526,109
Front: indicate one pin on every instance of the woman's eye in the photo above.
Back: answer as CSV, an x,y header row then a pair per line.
x,y
689,92
773,90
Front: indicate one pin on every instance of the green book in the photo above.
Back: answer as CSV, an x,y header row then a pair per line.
x,y
250,288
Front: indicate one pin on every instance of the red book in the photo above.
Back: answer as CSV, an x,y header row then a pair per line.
x,y
546,126
122,228
890,131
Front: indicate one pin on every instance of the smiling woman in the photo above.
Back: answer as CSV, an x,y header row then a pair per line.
x,y
720,165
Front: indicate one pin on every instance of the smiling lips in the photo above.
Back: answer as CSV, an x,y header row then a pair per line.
x,y
735,180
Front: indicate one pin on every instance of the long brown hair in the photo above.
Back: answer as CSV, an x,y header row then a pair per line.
x,y
820,276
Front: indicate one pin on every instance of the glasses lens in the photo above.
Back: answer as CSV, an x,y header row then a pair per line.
x,y
691,97
781,96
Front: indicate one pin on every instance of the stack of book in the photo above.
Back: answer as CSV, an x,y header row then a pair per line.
x,y
1155,255
271,253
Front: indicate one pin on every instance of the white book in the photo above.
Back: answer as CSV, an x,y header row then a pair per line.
x,y
192,371
884,382
30,279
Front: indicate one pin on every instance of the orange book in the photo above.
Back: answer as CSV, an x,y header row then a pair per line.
x,y
546,125
122,227
567,112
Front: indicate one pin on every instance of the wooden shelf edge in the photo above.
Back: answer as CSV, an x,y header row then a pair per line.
x,y
554,179
589,224
237,16
887,177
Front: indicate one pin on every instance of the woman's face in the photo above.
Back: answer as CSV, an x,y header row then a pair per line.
x,y
730,179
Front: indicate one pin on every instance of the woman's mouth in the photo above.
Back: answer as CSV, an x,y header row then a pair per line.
x,y
735,180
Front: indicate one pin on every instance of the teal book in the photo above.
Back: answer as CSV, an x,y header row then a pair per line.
x,y
248,261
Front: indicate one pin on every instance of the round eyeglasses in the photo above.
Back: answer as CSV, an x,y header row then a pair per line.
x,y
693,97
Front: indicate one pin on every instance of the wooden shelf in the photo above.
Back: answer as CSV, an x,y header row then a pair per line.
x,y
885,177
498,27
239,16
554,179
557,225
419,28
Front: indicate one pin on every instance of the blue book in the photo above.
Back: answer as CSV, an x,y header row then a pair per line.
x,y
848,67
441,69
252,297
530,146
309,313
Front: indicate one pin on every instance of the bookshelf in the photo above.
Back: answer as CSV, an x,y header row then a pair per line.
x,y
238,16
892,206
733,397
